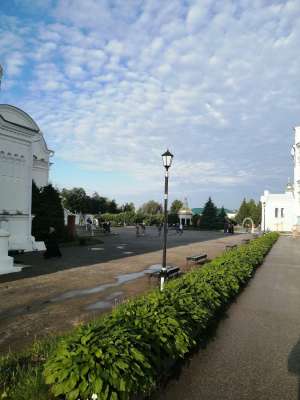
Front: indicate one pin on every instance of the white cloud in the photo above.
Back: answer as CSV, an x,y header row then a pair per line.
x,y
115,83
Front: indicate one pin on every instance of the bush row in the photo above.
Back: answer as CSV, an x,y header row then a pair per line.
x,y
127,351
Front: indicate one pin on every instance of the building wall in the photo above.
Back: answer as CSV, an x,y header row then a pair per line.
x,y
18,133
282,202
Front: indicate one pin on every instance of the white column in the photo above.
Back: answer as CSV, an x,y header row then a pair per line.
x,y
6,263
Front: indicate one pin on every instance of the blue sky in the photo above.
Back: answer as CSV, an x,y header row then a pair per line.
x,y
112,84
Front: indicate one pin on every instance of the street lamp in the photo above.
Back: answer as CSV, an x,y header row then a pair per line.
x,y
167,161
264,206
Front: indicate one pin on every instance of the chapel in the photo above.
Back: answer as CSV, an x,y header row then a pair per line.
x,y
24,157
281,211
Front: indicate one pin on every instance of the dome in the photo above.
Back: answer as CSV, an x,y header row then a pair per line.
x,y
185,210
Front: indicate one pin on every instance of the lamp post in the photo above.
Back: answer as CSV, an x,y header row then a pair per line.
x,y
167,161
264,206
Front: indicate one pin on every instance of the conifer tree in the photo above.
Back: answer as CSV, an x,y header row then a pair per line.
x,y
48,211
209,216
221,218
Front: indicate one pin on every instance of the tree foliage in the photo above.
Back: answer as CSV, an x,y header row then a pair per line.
x,y
209,216
176,206
128,207
221,218
249,209
77,201
48,211
151,207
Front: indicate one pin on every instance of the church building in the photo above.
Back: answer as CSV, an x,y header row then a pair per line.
x,y
24,156
281,212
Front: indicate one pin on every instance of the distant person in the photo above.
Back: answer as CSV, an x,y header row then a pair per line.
x,y
137,230
51,243
143,228
89,224
181,228
226,226
159,228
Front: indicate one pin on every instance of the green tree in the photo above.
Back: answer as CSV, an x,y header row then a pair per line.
x,y
173,218
221,218
243,212
257,214
48,211
151,207
176,206
209,216
75,200
249,209
112,207
128,207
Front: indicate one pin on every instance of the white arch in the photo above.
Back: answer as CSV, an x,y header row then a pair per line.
x,y
252,223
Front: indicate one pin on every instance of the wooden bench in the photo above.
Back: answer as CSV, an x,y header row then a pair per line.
x,y
230,246
245,241
171,272
197,259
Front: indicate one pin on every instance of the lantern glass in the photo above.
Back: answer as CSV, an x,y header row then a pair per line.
x,y
167,159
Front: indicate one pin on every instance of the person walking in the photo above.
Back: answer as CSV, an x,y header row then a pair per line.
x,y
143,228
226,226
137,230
51,243
159,228
181,228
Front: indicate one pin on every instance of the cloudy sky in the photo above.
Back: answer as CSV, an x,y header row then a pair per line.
x,y
114,83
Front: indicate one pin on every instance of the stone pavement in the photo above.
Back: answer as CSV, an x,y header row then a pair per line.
x,y
256,351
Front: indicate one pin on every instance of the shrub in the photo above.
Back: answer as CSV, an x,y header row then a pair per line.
x,y
125,352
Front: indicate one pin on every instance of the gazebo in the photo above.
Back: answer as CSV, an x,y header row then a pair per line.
x,y
185,214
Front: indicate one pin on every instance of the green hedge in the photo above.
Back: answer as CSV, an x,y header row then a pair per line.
x,y
127,351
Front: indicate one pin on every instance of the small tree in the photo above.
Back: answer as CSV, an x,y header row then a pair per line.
x,y
221,218
128,207
209,216
151,207
176,206
75,200
243,212
48,211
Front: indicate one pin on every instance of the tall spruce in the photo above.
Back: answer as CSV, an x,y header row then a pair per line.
x,y
209,216
221,218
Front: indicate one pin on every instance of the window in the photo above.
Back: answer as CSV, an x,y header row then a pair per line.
x,y
282,213
276,212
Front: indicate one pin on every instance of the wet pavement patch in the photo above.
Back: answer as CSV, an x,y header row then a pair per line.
x,y
123,278
113,299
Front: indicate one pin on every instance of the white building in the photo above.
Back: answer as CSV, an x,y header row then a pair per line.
x,y
185,214
24,157
281,212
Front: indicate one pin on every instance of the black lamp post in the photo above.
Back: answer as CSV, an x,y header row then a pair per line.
x,y
167,161
264,206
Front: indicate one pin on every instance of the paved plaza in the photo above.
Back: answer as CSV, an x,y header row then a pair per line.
x,y
55,295
256,350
